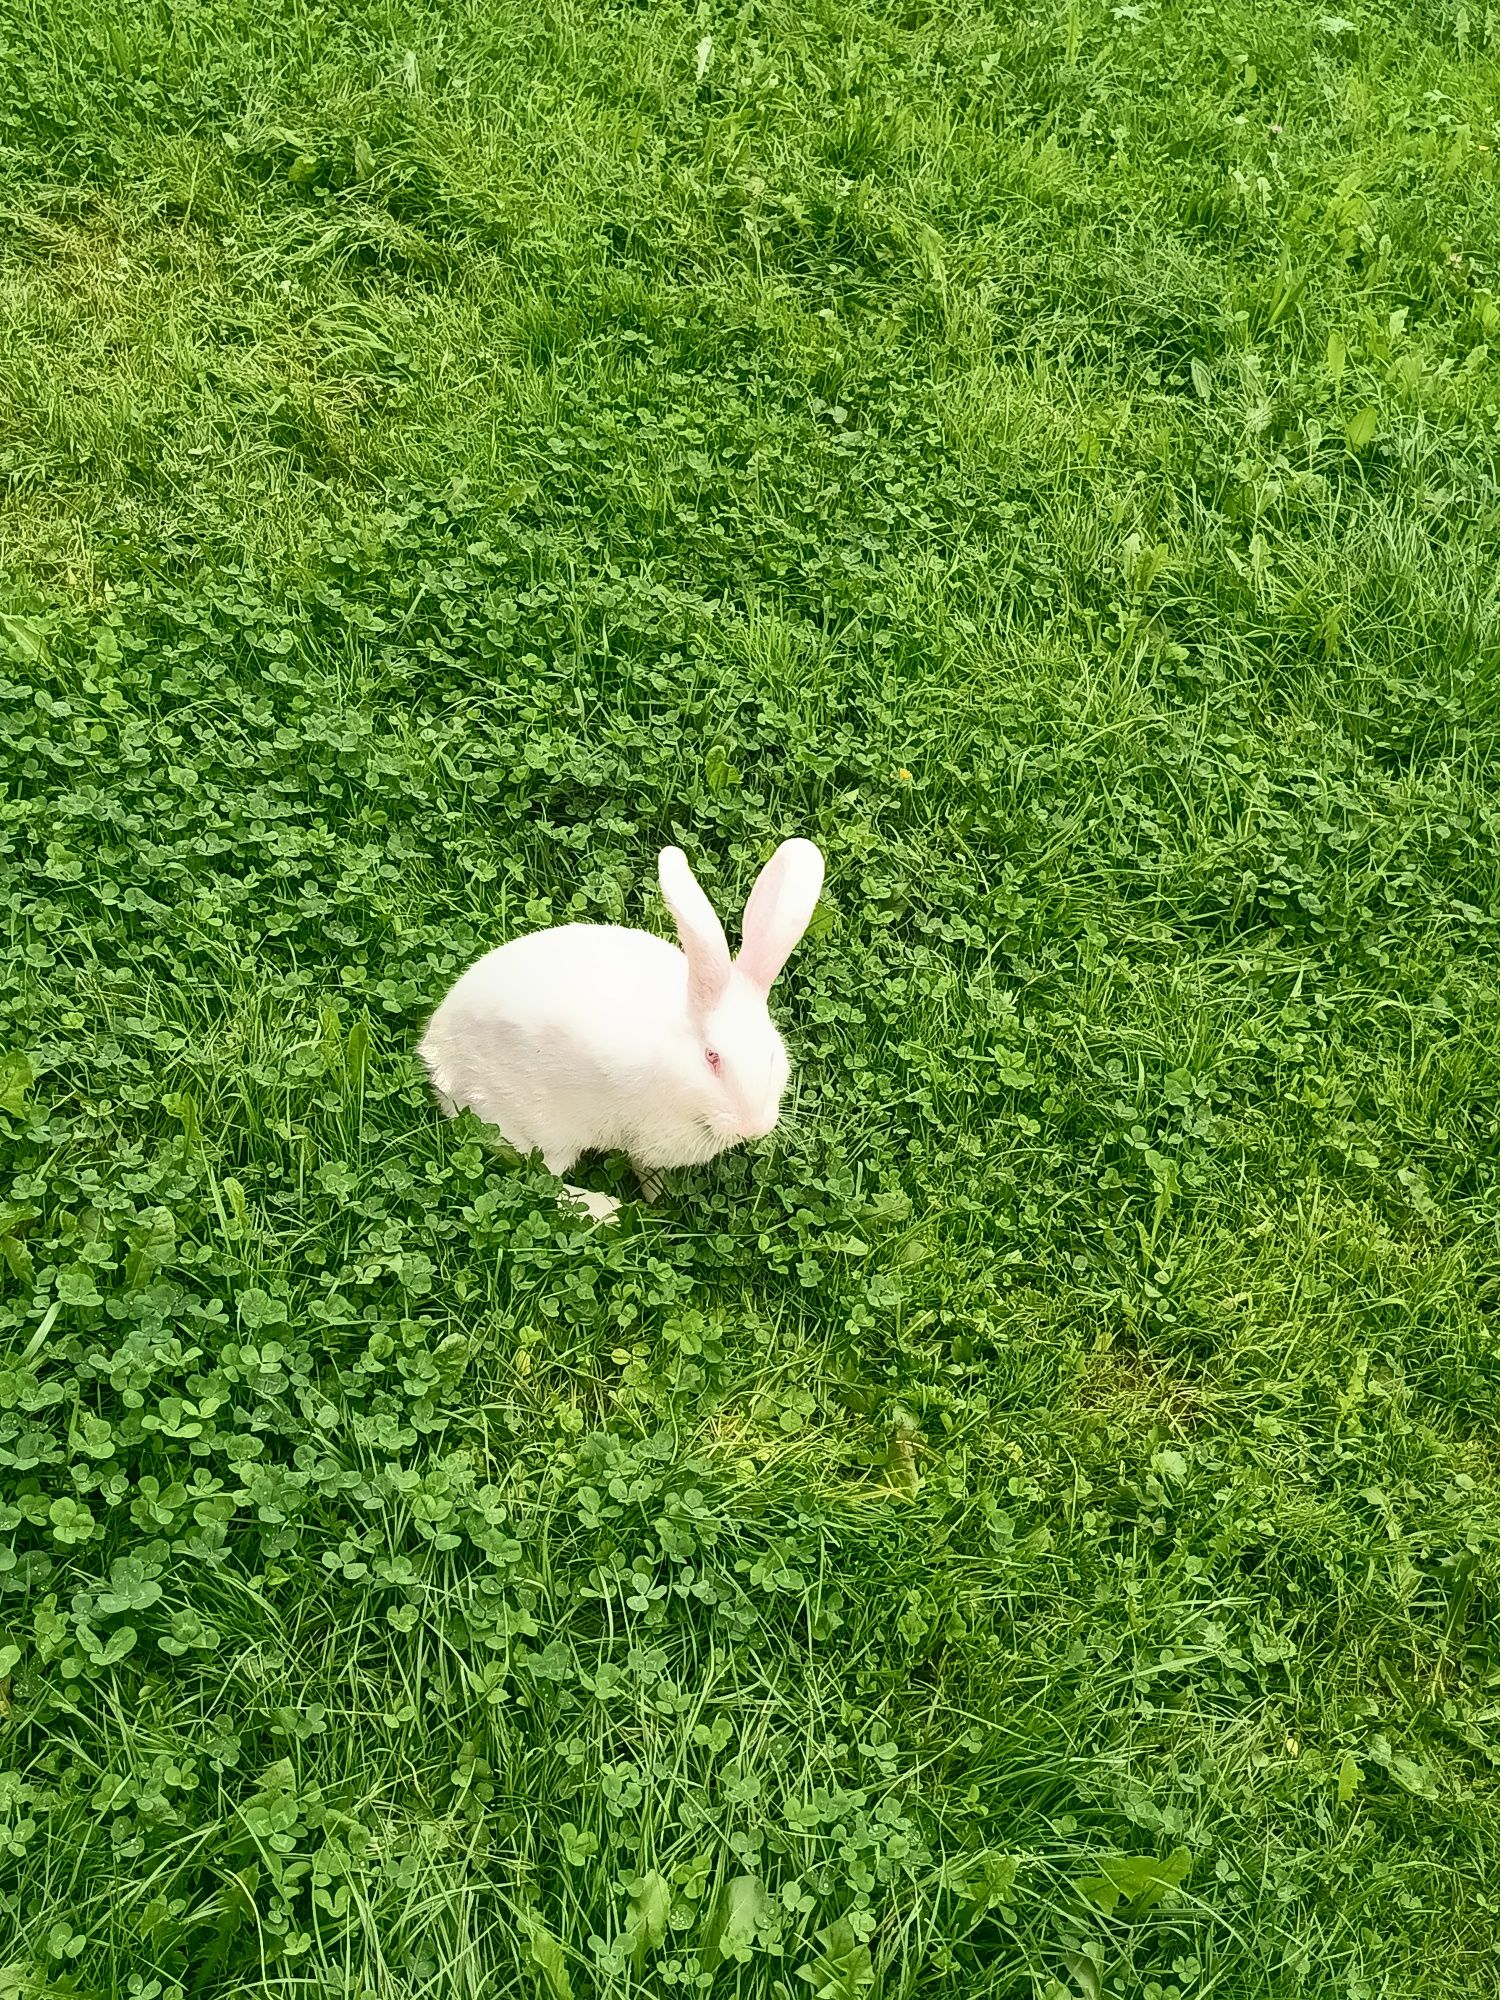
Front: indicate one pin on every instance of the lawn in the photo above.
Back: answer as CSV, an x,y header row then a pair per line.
x,y
1032,1528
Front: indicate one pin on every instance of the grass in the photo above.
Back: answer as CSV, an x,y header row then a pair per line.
x,y
1031,1531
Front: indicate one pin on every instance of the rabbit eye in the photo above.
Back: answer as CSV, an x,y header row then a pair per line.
x,y
714,1060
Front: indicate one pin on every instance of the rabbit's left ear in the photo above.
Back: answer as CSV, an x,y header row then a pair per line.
x,y
779,910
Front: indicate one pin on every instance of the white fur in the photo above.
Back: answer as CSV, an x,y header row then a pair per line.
x,y
591,1038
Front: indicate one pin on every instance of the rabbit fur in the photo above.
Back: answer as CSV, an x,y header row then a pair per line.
x,y
593,1038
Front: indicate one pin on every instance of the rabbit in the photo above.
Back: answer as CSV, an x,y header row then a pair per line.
x,y
592,1038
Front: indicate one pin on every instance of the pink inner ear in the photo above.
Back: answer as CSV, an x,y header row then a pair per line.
x,y
779,910
702,936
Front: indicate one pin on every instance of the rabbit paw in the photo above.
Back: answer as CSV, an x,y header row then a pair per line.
x,y
602,1207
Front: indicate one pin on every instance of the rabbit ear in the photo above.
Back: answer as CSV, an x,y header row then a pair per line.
x,y
702,935
779,910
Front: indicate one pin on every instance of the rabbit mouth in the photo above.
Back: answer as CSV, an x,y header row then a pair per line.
x,y
714,1135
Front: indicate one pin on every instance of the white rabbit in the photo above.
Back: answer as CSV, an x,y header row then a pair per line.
x,y
591,1038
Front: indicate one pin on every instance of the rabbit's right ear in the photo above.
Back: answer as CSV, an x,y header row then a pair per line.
x,y
703,940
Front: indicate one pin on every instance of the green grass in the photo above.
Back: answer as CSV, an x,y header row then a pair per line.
x,y
1031,1531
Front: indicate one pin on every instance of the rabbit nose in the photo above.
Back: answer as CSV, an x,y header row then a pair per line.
x,y
764,1120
